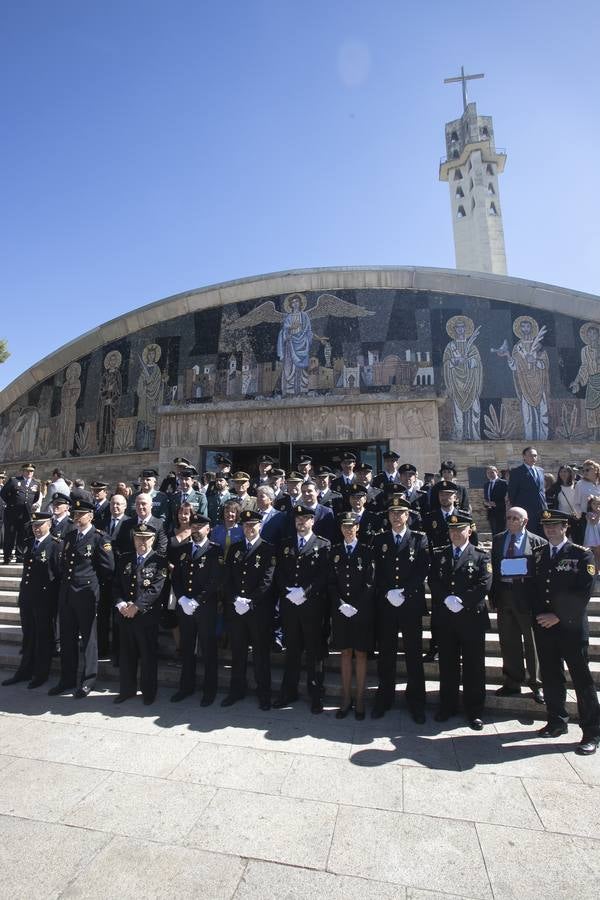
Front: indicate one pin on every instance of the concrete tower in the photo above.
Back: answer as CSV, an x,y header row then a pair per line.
x,y
471,168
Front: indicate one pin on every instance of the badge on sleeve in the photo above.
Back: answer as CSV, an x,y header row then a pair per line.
x,y
488,568
591,570
106,547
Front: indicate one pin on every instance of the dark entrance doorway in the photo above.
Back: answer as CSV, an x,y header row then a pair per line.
x,y
244,457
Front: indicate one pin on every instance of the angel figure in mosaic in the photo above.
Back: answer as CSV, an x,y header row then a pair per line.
x,y
463,374
296,334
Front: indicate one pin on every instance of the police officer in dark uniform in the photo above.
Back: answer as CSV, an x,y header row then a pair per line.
x,y
564,582
101,504
137,587
248,594
460,577
301,577
325,496
436,521
369,522
196,578
38,597
401,566
20,493
86,557
390,470
186,494
263,478
61,523
351,593
344,482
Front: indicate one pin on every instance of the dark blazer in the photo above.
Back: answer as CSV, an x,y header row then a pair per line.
x,y
405,567
462,497
495,492
126,535
101,515
333,500
521,590
528,492
250,575
141,585
325,525
275,529
436,528
121,536
62,528
470,579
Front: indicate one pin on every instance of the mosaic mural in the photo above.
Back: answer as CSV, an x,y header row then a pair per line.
x,y
505,371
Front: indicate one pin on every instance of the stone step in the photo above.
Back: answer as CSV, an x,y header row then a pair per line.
x,y
168,678
14,570
9,582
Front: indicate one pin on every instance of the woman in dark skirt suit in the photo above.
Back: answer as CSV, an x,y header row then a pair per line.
x,y
351,592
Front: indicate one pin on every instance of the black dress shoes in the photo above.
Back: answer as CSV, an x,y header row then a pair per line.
x,y
587,746
476,724
264,703
230,699
418,716
180,695
378,711
505,691
538,696
149,700
359,714
121,698
442,715
35,683
316,705
431,656
14,679
82,692
59,689
282,701
551,730
207,699
343,711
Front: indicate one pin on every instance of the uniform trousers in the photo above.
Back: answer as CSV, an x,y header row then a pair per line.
x,y
16,531
251,629
390,620
138,644
78,642
198,629
302,631
571,645
462,638
37,623
105,618
515,629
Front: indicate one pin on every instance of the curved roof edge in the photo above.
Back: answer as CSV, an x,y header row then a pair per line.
x,y
443,281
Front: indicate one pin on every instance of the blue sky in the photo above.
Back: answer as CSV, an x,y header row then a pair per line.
x,y
154,147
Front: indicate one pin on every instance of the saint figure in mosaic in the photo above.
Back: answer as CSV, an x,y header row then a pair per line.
x,y
530,367
463,374
588,375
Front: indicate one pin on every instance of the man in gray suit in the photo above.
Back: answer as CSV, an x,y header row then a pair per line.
x,y
515,560
526,489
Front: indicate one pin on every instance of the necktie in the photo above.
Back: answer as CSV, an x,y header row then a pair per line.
x,y
227,542
36,545
554,551
195,549
511,546
398,539
301,543
348,549
113,523
140,560
184,499
248,546
457,553
80,536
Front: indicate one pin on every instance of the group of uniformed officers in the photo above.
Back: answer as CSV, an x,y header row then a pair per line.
x,y
335,562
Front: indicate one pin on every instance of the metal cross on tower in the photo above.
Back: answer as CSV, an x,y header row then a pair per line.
x,y
464,78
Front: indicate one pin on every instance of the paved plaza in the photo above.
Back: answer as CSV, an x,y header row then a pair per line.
x,y
98,800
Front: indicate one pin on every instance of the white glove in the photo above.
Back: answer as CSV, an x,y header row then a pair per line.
x,y
241,605
453,603
193,605
396,596
348,610
186,605
296,595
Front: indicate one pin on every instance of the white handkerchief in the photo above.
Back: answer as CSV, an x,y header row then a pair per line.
x,y
241,605
396,596
296,595
453,603
348,610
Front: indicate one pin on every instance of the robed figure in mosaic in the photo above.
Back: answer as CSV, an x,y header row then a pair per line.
x,y
69,395
149,391
108,401
463,374
588,375
530,367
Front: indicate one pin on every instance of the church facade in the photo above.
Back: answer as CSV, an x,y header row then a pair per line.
x,y
432,363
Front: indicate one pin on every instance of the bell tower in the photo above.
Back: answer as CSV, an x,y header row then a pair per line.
x,y
471,168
